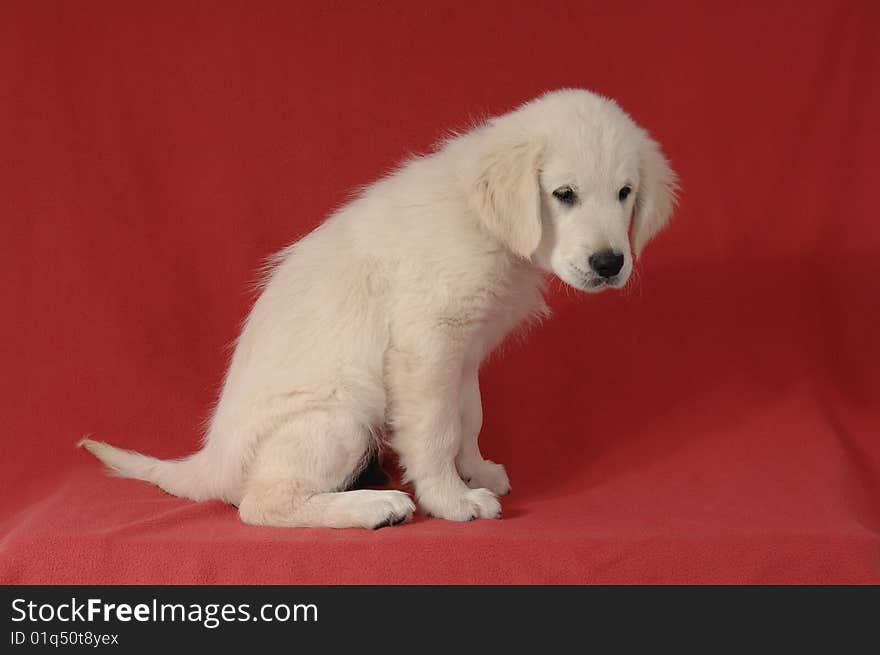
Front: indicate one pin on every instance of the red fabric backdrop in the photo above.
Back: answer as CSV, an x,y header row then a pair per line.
x,y
154,153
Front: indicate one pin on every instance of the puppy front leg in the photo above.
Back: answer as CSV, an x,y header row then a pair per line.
x,y
426,418
473,469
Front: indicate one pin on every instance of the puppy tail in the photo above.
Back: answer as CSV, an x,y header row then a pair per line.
x,y
186,477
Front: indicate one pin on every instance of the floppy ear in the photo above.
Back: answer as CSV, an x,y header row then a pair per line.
x,y
505,194
656,197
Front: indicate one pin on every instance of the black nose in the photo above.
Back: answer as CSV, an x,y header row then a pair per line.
x,y
606,263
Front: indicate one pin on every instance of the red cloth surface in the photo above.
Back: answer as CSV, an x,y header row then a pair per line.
x,y
717,422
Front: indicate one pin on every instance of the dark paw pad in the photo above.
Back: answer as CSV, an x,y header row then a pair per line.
x,y
389,522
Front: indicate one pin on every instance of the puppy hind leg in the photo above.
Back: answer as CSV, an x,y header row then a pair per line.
x,y
284,504
296,474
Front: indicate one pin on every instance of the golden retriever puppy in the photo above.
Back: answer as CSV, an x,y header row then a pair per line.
x,y
371,329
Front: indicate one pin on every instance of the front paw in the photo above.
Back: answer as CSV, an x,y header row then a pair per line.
x,y
463,506
489,475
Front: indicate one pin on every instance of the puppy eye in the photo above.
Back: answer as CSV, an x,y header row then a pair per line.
x,y
565,195
623,194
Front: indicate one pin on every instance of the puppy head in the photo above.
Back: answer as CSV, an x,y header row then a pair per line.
x,y
571,183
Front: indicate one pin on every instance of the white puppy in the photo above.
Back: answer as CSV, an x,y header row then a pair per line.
x,y
372,328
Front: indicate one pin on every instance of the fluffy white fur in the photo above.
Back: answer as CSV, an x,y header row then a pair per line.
x,y
372,328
